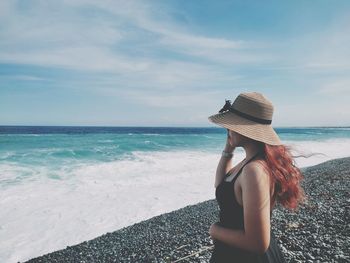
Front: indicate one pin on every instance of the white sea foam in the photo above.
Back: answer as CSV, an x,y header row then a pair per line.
x,y
7,154
326,150
105,141
44,214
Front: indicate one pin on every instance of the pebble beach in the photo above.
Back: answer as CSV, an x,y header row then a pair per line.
x,y
318,232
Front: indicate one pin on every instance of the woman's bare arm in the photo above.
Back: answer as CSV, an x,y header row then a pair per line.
x,y
225,163
256,205
224,166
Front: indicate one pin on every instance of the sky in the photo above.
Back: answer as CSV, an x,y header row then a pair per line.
x,y
172,63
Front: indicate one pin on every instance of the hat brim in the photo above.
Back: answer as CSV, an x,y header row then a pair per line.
x,y
259,132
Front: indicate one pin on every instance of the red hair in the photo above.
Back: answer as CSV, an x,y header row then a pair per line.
x,y
285,176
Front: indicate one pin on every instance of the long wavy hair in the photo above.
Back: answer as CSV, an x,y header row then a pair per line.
x,y
285,176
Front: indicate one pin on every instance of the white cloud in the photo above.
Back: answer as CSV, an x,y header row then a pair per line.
x,y
26,78
84,57
327,50
6,8
63,34
338,87
190,100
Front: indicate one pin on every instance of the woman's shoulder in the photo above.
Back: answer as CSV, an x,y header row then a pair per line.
x,y
255,171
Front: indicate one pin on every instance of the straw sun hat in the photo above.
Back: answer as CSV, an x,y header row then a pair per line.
x,y
250,115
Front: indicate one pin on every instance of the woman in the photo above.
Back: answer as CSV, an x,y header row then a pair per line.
x,y
247,192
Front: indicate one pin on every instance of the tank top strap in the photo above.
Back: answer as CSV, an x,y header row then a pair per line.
x,y
240,169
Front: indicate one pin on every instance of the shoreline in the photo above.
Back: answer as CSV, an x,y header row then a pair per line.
x,y
318,232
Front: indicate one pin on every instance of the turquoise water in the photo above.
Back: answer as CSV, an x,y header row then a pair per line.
x,y
59,149
41,145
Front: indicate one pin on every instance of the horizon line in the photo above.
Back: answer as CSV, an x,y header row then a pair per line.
x,y
104,126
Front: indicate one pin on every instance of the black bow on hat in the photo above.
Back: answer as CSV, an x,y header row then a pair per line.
x,y
226,107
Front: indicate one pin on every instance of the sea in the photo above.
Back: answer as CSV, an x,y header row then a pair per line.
x,y
60,186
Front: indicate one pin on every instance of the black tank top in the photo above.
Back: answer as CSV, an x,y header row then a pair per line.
x,y
231,216
231,212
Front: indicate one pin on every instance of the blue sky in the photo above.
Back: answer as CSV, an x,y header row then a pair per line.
x,y
172,63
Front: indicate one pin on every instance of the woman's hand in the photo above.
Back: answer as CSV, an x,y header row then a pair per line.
x,y
228,146
212,230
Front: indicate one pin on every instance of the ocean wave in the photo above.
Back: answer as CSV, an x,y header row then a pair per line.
x,y
105,141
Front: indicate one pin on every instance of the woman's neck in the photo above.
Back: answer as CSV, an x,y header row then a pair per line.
x,y
251,150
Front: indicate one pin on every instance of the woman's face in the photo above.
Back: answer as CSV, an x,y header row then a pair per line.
x,y
235,139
